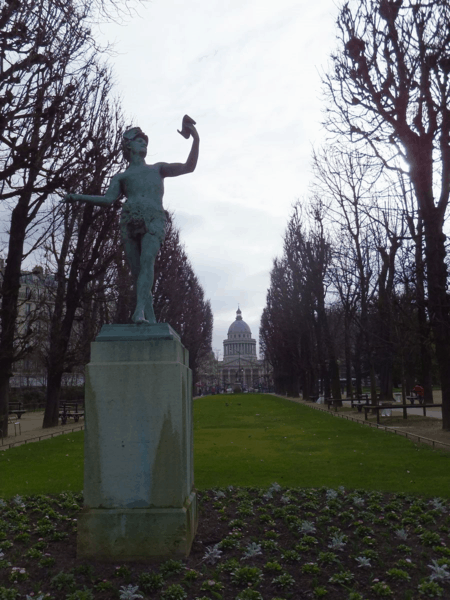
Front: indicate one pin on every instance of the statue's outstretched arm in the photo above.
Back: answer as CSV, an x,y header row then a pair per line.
x,y
111,195
175,169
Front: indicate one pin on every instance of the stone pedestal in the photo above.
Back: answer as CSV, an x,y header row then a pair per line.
x,y
139,497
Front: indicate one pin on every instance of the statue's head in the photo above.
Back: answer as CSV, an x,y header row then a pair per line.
x,y
131,134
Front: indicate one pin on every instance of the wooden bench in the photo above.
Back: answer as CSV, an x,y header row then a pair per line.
x,y
16,408
334,402
312,398
70,411
404,407
412,399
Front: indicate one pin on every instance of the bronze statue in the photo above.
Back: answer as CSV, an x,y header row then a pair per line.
x,y
143,218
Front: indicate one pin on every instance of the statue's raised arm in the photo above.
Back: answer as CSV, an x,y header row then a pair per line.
x,y
143,218
175,169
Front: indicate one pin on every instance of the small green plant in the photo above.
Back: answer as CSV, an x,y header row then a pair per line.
x,y
398,574
47,561
430,589
229,543
8,593
130,593
430,538
171,567
211,585
17,574
212,554
252,550
84,594
320,591
174,592
327,558
33,553
191,575
309,540
249,594
124,572
22,537
272,567
310,569
405,564
269,544
246,576
103,586
290,556
230,565
284,581
342,578
151,582
381,590
63,581
86,570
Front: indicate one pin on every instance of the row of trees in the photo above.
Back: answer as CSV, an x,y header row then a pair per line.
x,y
382,262
60,131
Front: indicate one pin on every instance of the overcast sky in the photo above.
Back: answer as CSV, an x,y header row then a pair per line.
x,y
248,71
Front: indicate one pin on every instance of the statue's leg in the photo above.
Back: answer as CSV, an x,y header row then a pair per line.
x,y
132,253
149,249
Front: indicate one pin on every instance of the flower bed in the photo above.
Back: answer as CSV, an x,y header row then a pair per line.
x,y
252,544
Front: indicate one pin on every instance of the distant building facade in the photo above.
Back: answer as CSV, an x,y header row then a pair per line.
x,y
35,308
240,362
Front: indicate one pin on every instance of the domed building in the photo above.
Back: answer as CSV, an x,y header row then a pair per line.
x,y
240,362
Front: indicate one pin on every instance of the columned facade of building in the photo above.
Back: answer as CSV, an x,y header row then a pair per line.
x,y
240,362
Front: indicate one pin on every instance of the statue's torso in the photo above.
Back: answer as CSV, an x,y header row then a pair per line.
x,y
143,185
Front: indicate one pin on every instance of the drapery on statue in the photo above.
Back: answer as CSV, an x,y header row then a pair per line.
x,y
143,218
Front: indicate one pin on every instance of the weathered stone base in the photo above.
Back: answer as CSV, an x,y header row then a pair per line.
x,y
139,494
137,534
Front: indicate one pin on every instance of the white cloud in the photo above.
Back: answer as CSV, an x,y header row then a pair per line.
x,y
248,72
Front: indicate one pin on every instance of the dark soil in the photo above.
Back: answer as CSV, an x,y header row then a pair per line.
x,y
38,534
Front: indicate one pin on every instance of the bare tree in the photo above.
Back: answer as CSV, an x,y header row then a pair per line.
x,y
295,329
347,181
49,69
389,90
83,243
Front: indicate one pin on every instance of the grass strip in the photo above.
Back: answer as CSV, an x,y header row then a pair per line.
x,y
253,440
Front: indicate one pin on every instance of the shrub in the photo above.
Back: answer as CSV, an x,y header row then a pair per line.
x,y
64,581
151,582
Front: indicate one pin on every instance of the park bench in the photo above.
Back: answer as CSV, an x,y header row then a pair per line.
x,y
312,398
413,398
404,407
69,410
358,401
16,408
332,402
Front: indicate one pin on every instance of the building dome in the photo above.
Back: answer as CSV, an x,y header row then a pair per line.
x,y
240,362
239,326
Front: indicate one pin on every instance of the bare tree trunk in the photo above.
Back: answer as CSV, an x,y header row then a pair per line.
x,y
439,305
9,305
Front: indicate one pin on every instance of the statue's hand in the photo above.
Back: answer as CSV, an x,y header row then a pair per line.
x,y
192,130
188,128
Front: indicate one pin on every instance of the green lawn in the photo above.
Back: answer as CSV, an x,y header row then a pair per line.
x,y
254,440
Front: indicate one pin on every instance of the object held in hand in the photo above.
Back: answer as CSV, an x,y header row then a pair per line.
x,y
185,131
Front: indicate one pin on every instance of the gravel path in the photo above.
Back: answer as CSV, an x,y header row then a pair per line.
x,y
429,427
29,429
